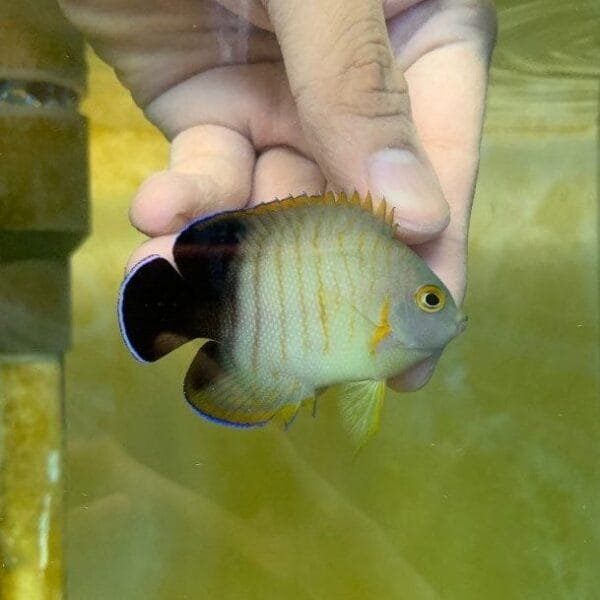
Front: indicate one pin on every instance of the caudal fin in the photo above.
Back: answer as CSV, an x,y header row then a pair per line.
x,y
155,310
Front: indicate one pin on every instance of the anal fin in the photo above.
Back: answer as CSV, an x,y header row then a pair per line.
x,y
220,392
287,414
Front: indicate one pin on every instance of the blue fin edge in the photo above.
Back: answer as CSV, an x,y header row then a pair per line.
x,y
120,317
232,424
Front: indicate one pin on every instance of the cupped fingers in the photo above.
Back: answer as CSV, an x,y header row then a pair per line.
x,y
210,170
353,105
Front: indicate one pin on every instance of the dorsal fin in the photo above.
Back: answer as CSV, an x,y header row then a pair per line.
x,y
207,249
381,211
368,204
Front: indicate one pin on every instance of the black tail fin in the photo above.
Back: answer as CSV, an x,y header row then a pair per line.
x,y
161,308
156,310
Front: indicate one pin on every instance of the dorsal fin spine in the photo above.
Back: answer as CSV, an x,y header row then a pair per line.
x,y
381,211
390,220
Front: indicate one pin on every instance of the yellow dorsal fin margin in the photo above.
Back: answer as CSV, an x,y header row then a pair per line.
x,y
390,216
382,211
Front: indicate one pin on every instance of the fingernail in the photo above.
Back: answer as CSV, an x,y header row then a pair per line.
x,y
410,186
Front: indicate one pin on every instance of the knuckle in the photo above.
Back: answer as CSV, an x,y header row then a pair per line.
x,y
363,55
360,78
369,91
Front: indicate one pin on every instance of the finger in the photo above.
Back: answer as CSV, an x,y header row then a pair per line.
x,y
447,90
282,172
354,108
162,246
250,10
254,12
211,169
447,258
253,100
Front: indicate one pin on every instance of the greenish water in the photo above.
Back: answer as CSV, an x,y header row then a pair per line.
x,y
483,485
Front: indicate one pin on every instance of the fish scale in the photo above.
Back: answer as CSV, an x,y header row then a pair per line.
x,y
311,274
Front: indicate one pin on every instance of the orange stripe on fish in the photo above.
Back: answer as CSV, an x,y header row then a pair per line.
x,y
383,328
361,245
300,272
349,278
257,317
323,317
281,298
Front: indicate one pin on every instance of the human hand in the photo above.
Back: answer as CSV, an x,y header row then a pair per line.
x,y
267,99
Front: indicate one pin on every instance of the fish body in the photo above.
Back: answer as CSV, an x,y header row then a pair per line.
x,y
295,296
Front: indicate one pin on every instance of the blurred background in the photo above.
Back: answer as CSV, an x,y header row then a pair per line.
x,y
483,485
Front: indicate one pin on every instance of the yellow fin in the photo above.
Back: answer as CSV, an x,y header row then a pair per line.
x,y
360,405
390,216
381,211
383,328
221,393
287,413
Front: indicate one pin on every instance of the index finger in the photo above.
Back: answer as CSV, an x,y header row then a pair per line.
x,y
354,107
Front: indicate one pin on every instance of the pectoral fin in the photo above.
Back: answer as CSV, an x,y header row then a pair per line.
x,y
360,405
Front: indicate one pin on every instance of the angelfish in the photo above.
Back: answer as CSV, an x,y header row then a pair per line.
x,y
294,296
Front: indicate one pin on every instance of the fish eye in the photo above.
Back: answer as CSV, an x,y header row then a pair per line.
x,y
430,298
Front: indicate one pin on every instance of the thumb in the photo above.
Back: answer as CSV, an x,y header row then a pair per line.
x,y
354,107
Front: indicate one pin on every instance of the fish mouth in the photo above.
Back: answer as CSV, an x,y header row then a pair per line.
x,y
460,324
